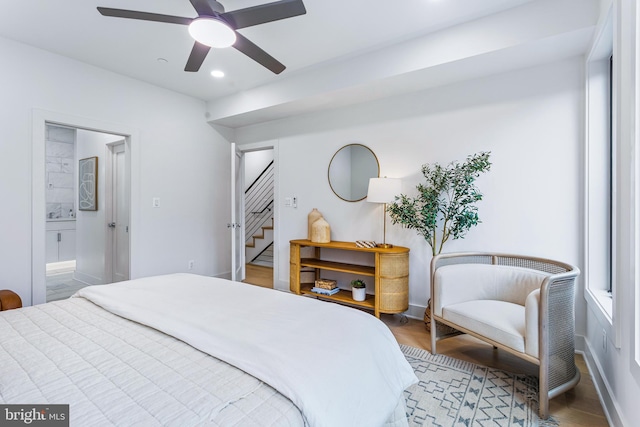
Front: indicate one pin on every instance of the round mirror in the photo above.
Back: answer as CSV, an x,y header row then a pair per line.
x,y
350,170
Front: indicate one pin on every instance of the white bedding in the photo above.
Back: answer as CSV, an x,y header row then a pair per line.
x,y
339,366
114,372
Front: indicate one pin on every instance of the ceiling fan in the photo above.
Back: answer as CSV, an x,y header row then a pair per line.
x,y
216,28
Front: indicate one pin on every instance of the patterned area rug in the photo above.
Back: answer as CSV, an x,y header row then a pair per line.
x,y
452,392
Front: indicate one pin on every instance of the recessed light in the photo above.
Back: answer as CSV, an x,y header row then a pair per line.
x,y
217,74
162,60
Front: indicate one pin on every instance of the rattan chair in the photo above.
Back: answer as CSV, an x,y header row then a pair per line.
x,y
520,304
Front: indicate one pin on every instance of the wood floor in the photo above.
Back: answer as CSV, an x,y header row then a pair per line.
x,y
578,407
258,275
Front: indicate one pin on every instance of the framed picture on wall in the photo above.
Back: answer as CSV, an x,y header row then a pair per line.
x,y
88,184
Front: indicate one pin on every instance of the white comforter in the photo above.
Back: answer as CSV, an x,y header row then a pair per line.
x,y
115,372
340,366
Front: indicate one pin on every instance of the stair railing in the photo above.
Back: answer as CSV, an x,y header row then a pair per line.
x,y
259,202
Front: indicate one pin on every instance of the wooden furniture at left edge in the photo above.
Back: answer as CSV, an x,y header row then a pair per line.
x,y
390,271
9,300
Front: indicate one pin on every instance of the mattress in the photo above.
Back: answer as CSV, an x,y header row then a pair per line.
x,y
157,367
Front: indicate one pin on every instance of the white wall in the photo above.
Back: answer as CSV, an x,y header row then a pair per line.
x,y
531,121
254,163
178,158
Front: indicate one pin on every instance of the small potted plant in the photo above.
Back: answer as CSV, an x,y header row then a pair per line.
x,y
358,290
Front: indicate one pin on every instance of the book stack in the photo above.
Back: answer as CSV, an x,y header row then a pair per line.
x,y
326,287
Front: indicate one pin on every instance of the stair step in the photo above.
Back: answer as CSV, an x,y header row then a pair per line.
x,y
250,245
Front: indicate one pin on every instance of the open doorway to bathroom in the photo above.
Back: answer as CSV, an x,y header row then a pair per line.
x,y
86,230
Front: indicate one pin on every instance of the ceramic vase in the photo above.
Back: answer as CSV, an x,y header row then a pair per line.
x,y
313,216
320,231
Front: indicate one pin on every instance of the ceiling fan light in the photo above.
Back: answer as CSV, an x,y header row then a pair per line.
x,y
212,32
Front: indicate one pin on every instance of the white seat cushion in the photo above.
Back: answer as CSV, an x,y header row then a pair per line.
x,y
500,321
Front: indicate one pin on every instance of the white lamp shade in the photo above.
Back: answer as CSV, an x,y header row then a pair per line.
x,y
383,190
212,32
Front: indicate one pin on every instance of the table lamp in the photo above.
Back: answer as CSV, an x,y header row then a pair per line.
x,y
383,190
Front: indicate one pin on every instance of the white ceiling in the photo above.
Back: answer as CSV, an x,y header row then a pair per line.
x,y
331,35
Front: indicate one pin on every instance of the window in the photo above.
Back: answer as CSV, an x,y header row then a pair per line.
x,y
600,181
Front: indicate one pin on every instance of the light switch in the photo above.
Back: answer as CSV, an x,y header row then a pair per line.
x,y
287,201
156,202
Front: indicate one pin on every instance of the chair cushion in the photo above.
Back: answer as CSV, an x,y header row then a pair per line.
x,y
454,284
500,321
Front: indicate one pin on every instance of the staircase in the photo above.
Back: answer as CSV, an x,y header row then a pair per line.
x,y
259,219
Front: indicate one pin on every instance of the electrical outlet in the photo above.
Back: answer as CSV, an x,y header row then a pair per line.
x,y
190,264
156,202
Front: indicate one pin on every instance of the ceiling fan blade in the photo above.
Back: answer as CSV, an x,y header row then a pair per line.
x,y
269,12
203,7
247,47
197,56
144,16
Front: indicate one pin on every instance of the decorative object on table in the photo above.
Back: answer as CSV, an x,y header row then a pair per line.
x,y
445,202
88,184
383,190
326,284
358,290
366,244
323,291
313,216
320,231
349,171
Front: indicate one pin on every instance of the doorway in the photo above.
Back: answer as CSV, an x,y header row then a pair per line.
x,y
80,250
254,216
91,141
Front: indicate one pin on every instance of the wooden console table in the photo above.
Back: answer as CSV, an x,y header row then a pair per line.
x,y
390,270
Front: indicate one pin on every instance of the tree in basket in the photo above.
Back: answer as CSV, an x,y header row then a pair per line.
x,y
445,202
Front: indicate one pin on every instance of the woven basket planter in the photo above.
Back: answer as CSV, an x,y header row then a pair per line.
x,y
443,330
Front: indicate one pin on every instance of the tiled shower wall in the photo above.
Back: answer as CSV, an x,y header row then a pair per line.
x,y
60,171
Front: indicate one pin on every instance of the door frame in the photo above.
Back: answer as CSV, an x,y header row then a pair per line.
x,y
259,146
40,118
237,214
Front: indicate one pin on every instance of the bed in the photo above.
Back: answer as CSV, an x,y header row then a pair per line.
x,y
189,350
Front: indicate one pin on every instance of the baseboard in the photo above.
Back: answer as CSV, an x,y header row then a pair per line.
x,y
415,311
600,382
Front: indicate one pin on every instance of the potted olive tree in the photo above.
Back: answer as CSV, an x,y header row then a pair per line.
x,y
358,290
445,205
